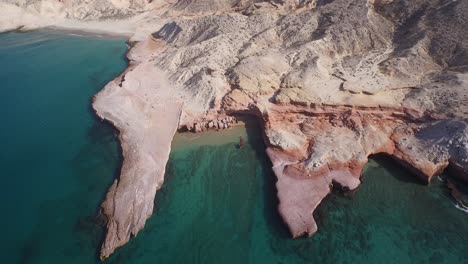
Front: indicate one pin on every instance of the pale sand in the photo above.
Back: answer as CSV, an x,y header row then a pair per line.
x,y
14,18
88,33
186,140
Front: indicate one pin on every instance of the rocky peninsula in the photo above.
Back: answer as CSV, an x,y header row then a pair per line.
x,y
332,81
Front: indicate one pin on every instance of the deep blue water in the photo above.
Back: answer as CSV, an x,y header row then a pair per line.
x,y
218,204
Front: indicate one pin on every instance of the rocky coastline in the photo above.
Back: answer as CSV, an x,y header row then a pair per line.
x,y
133,103
332,83
306,175
401,133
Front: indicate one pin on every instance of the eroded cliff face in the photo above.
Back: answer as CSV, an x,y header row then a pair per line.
x,y
333,81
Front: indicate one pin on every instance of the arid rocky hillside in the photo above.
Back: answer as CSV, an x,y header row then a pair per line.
x,y
83,9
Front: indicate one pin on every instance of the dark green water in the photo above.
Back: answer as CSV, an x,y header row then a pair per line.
x,y
218,204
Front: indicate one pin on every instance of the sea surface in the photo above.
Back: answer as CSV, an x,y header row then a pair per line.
x,y
218,204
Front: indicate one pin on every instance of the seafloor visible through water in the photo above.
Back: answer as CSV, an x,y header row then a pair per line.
x,y
218,204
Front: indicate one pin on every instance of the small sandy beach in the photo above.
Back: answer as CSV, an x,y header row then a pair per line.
x,y
245,123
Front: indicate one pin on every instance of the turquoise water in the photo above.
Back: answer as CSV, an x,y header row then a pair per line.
x,y
56,160
218,204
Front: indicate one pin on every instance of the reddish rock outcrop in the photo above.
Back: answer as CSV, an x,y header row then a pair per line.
x,y
315,147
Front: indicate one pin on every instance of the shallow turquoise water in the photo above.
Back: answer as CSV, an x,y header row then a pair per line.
x,y
218,204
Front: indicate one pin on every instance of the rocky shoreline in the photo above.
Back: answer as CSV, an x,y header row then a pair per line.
x,y
221,122
315,146
332,82
306,175
133,103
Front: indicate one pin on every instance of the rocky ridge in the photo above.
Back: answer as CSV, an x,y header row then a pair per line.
x,y
332,81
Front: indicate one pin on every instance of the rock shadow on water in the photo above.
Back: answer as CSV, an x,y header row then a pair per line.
x,y
257,142
399,172
100,78
101,153
95,166
455,188
97,80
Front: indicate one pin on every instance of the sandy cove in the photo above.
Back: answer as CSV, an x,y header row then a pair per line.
x,y
312,147
334,145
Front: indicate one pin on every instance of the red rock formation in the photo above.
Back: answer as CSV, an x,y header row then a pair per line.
x,y
316,147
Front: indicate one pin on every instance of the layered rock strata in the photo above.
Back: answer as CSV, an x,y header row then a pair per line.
x,y
332,82
314,148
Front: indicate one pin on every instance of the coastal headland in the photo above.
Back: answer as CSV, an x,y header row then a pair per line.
x,y
332,83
